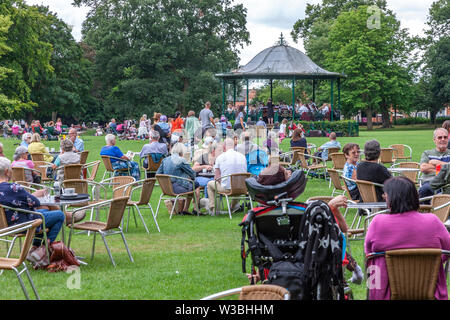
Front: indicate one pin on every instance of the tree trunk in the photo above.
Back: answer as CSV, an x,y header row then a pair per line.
x,y
369,119
54,116
385,118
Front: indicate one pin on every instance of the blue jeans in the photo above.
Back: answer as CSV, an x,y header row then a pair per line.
x,y
132,165
203,182
53,222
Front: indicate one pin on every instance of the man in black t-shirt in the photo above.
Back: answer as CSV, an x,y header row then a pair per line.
x,y
371,170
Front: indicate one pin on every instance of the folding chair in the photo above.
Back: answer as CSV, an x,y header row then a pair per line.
x,y
14,264
238,189
165,182
111,227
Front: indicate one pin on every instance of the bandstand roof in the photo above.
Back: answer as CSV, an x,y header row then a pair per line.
x,y
280,62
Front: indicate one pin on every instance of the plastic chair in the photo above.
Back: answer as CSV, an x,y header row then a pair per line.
x,y
14,264
254,292
412,273
165,182
238,189
111,227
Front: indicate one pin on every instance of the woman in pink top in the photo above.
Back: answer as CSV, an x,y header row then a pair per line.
x,y
21,160
403,228
58,125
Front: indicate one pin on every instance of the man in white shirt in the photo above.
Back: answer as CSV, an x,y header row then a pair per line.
x,y
229,162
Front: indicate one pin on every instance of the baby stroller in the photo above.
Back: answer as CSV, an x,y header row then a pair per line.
x,y
293,244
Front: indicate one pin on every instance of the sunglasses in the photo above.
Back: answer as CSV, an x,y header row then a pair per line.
x,y
442,138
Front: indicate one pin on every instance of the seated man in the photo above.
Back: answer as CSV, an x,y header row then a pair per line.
x,y
371,170
430,159
67,156
322,151
274,173
78,144
153,147
229,162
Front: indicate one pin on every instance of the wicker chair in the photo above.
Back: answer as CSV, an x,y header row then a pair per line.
x,y
8,263
411,175
336,181
110,227
294,160
92,169
146,188
331,151
152,166
440,206
399,152
386,156
41,166
238,190
37,157
71,171
165,182
254,292
320,166
109,169
83,156
412,273
20,174
339,160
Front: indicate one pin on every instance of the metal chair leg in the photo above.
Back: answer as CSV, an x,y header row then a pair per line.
x,y
159,203
142,218
173,207
126,246
107,249
93,246
154,217
24,289
229,206
31,281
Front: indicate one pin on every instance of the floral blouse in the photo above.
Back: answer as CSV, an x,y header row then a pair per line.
x,y
14,195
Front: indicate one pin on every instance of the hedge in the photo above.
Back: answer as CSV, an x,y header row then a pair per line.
x,y
347,128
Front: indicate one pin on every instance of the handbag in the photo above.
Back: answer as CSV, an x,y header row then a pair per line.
x,y
61,257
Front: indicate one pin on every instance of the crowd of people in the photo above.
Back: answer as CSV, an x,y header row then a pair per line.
x,y
200,152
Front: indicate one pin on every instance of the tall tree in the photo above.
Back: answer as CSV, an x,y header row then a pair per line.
x,y
375,60
7,105
66,91
29,56
161,55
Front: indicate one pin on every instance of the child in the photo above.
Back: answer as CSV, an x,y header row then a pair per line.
x,y
282,132
99,131
224,123
133,132
291,128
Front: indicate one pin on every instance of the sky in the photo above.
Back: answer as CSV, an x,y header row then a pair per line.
x,y
266,19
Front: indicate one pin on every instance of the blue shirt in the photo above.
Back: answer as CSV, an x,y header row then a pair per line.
x,y
329,144
79,144
111,151
348,172
154,147
24,144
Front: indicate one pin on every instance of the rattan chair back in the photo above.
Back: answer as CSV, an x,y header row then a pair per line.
x,y
299,149
3,221
263,292
413,273
27,242
72,171
107,163
41,167
334,176
325,199
339,160
398,150
80,185
386,155
237,184
83,156
120,181
411,175
37,157
165,183
18,174
93,170
116,211
367,190
437,201
331,151
147,190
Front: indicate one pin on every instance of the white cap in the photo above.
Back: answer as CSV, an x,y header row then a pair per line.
x,y
207,142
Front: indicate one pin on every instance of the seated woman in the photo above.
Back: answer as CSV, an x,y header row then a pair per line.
x,y
14,195
36,146
351,153
298,140
176,165
403,228
21,160
111,150
67,156
205,161
26,140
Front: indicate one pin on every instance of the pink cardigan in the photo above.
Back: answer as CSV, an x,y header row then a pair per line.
x,y
401,231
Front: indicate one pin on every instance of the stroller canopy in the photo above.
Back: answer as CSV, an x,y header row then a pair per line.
x,y
294,186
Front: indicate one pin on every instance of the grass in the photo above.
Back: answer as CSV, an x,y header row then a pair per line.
x,y
190,258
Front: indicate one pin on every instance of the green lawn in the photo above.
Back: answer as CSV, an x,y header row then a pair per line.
x,y
190,258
